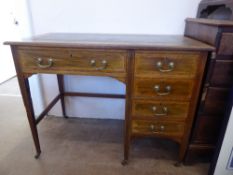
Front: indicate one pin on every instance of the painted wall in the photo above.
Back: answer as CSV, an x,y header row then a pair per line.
x,y
104,16
10,12
15,20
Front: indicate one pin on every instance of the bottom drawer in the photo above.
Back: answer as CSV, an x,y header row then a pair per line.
x,y
141,127
206,129
215,101
222,73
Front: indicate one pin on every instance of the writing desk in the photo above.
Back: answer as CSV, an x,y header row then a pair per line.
x,y
162,75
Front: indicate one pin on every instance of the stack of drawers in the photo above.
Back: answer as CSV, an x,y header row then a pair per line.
x,y
164,87
217,84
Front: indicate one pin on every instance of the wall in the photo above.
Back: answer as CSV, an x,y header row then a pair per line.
x,y
104,16
11,11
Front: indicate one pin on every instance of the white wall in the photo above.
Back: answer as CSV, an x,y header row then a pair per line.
x,y
112,16
11,11
105,16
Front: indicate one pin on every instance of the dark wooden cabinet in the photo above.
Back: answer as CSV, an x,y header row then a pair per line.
x,y
216,9
217,83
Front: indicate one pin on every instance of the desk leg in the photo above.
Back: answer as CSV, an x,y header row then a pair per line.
x,y
128,106
127,128
60,79
126,135
26,94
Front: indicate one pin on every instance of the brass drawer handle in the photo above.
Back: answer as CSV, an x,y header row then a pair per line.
x,y
163,113
167,90
170,66
44,66
156,129
103,62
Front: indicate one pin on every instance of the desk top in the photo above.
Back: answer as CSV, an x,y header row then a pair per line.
x,y
102,41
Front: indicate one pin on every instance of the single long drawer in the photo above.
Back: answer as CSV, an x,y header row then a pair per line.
x,y
226,44
142,127
164,89
152,63
35,59
164,110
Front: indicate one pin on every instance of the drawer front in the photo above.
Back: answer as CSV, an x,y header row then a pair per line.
x,y
166,63
206,129
164,89
222,73
215,101
142,127
226,44
202,32
164,110
54,59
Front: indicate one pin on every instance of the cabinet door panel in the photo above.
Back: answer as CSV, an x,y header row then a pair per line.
x,y
226,44
222,73
206,129
215,101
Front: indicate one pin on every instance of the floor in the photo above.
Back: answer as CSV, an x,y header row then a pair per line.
x,y
78,146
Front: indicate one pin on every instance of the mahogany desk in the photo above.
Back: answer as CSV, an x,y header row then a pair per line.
x,y
162,75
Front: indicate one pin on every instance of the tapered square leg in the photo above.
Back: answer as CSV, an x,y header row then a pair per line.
x,y
60,79
26,94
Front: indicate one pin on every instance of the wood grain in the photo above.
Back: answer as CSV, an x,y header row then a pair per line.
x,y
114,41
207,130
171,129
131,59
211,22
176,111
222,74
218,79
201,32
71,60
181,89
226,44
215,101
185,64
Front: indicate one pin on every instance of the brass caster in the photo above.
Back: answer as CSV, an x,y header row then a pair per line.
x,y
124,162
37,155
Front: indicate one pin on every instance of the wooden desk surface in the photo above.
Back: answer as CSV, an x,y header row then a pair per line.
x,y
171,42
